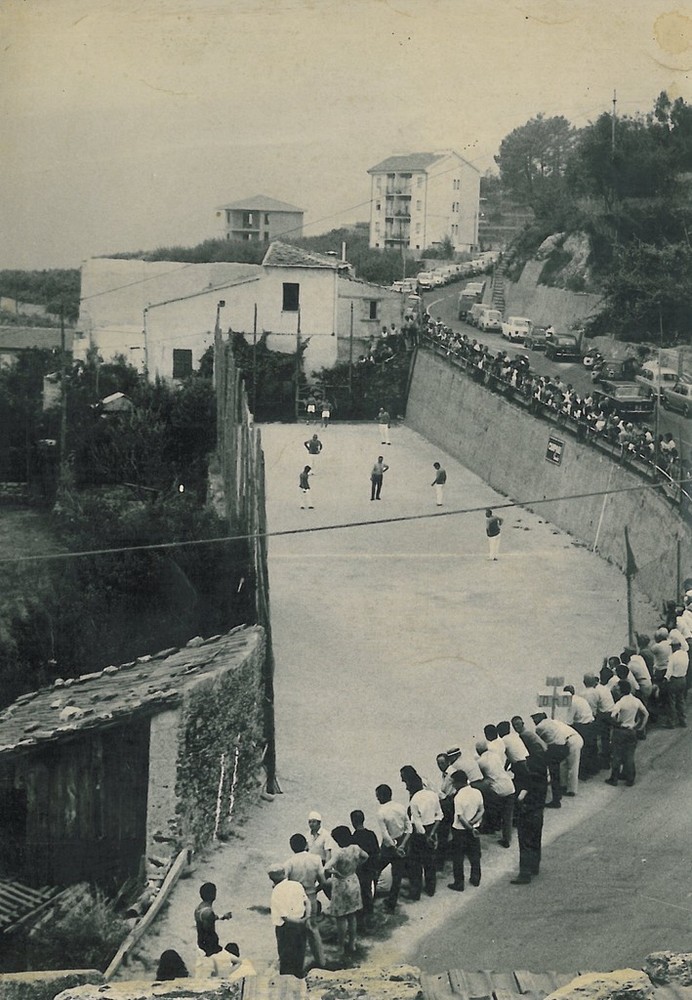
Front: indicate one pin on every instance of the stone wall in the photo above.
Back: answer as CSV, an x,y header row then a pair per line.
x,y
46,985
506,446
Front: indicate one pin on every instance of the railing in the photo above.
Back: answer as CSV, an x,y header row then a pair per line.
x,y
669,485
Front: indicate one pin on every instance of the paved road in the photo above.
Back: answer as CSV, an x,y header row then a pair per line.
x,y
613,888
443,302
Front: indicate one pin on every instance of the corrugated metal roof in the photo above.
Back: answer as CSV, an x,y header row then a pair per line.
x,y
147,685
18,903
261,203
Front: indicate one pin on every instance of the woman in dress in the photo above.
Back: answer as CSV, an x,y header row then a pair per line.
x,y
346,896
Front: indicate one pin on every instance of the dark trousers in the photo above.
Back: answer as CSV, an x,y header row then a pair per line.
x,y
676,693
444,830
466,845
603,733
389,856
624,745
421,865
290,943
375,487
529,834
368,884
555,755
588,763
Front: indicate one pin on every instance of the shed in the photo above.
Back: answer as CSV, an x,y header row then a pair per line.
x,y
105,776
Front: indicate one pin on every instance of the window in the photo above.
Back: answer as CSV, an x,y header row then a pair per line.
x,y
266,218
291,301
378,183
373,309
266,236
378,206
182,363
377,227
417,227
419,206
419,181
228,216
248,219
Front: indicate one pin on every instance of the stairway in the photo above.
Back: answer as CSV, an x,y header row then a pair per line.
x,y
498,289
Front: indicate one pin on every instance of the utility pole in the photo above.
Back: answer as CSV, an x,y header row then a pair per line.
x,y
254,363
350,362
62,479
612,123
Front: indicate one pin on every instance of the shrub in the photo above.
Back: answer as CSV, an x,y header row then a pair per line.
x,y
82,932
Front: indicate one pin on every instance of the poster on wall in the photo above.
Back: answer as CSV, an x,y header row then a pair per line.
x,y
554,451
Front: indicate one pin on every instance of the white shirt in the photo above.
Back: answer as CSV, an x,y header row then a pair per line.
x,y
631,680
394,822
515,748
492,768
677,664
579,711
627,710
640,670
675,633
468,803
425,809
555,731
498,746
288,902
320,843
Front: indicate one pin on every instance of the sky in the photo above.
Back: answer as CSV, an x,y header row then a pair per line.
x,y
127,123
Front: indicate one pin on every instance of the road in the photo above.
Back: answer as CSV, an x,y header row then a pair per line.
x,y
613,888
442,302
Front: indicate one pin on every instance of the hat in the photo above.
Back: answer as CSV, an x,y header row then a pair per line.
x,y
276,871
453,753
314,815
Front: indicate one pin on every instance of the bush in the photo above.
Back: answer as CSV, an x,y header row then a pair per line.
x,y
82,932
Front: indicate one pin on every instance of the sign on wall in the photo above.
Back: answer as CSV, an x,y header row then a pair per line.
x,y
554,450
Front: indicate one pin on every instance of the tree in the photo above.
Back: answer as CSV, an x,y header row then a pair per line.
x,y
533,158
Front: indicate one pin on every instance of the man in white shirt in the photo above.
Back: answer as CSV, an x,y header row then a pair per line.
x,y
290,909
498,792
319,841
676,685
516,751
307,868
426,814
580,716
564,743
468,813
395,830
629,716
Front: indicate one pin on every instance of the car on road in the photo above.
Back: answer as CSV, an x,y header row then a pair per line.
x,y
678,397
469,296
489,319
627,399
474,314
517,328
407,285
592,358
425,279
562,347
537,340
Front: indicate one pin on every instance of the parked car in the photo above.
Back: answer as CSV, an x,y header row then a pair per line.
x,y
474,314
563,347
620,370
471,294
425,279
517,328
678,397
537,340
658,378
489,319
627,399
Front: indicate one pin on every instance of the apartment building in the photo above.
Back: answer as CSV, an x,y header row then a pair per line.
x,y
260,219
419,199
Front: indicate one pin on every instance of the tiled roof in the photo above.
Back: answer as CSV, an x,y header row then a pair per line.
x,y
21,338
147,685
260,203
406,161
284,255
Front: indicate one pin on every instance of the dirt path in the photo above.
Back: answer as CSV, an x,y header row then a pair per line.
x,y
393,642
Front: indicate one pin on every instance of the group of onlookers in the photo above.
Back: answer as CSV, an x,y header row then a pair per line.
x,y
594,416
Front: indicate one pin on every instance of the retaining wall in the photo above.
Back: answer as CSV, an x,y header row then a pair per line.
x,y
507,448
545,305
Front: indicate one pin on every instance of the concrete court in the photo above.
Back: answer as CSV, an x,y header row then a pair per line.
x,y
392,642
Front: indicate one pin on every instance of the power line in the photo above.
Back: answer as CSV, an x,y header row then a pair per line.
x,y
159,546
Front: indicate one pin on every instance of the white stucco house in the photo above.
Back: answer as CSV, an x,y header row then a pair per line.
x,y
162,315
